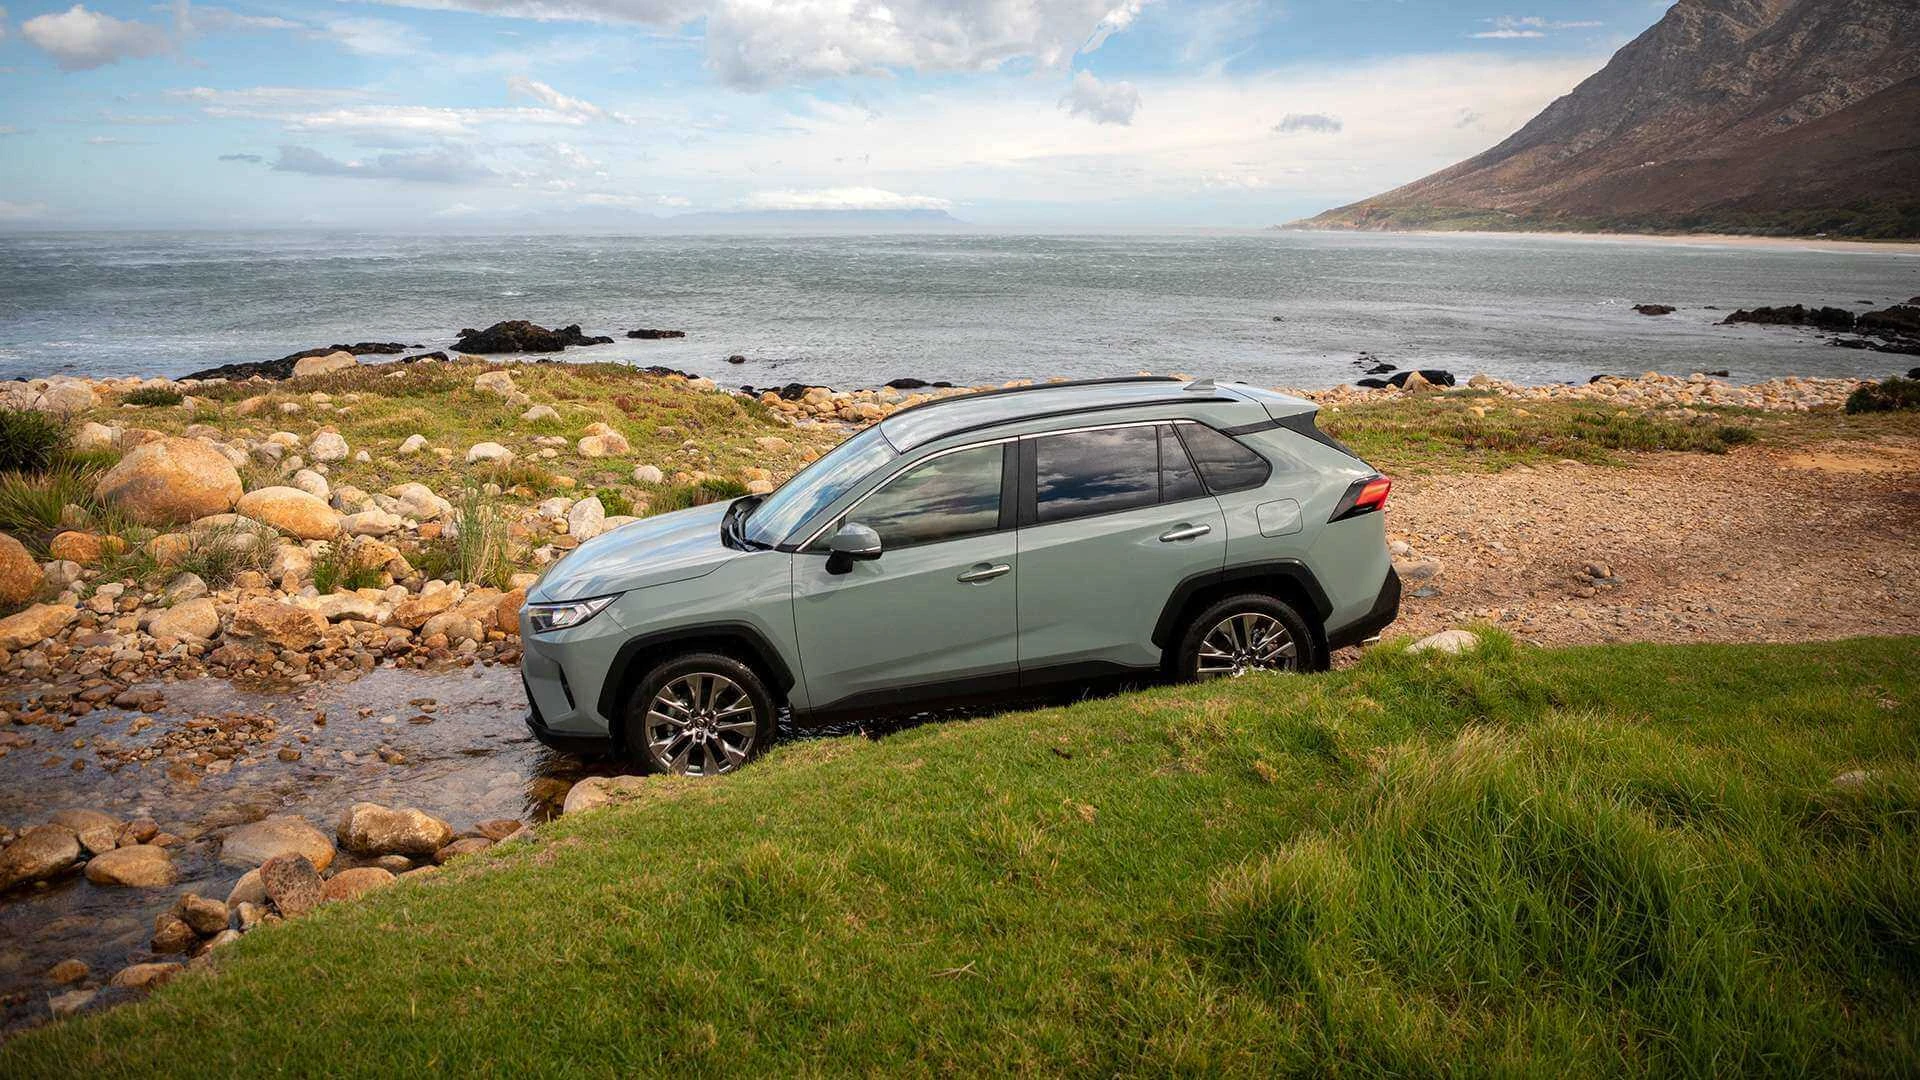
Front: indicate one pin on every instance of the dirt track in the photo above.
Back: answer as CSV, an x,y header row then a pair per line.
x,y
1756,545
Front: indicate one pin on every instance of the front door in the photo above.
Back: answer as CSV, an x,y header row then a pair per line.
x,y
934,614
1113,520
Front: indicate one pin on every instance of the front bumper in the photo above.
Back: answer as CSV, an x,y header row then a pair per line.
x,y
562,672
570,743
1386,608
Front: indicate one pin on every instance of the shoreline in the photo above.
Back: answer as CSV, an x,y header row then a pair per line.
x,y
1737,240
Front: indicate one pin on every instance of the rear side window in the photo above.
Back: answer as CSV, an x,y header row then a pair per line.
x,y
1082,473
1224,464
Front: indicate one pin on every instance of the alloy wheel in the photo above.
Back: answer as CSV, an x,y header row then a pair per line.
x,y
701,724
1246,641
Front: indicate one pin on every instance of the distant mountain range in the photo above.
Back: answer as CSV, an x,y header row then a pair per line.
x,y
1782,117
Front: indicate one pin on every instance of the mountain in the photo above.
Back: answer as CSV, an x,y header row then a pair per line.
x,y
1757,116
813,220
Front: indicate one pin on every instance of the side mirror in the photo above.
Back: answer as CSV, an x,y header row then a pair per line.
x,y
853,543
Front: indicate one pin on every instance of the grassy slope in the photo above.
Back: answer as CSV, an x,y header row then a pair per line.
x,y
1594,860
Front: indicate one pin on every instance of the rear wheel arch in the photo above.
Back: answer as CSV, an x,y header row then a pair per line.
x,y
1286,580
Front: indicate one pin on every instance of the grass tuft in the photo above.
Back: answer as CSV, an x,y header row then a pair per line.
x,y
30,440
159,396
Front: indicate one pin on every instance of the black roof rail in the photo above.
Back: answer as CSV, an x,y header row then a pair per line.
x,y
1004,390
1004,421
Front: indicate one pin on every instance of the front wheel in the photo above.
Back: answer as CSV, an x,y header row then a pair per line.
x,y
699,715
1249,632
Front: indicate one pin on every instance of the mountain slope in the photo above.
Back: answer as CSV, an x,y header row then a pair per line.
x,y
1786,116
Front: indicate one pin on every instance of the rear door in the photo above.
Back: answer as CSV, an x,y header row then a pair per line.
x,y
934,614
1112,520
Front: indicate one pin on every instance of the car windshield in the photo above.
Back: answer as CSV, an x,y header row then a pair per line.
x,y
817,486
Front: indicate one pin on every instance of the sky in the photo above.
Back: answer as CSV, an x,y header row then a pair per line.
x,y
487,114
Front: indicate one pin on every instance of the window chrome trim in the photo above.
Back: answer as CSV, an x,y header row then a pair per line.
x,y
801,549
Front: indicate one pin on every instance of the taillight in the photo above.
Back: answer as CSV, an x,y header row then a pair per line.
x,y
1364,496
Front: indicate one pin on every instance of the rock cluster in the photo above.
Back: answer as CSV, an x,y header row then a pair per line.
x,y
521,336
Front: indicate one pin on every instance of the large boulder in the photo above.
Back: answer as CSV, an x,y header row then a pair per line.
x,y
596,791
293,511
285,625
141,866
327,446
171,480
371,829
35,624
38,854
414,611
519,335
321,365
20,576
417,500
190,620
281,834
291,882
348,884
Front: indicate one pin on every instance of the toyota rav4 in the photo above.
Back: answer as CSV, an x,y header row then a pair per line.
x,y
962,551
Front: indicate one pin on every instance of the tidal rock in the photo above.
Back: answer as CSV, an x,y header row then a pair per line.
x,y
1430,376
645,334
281,834
142,866
291,510
38,854
519,335
34,625
292,884
20,576
348,884
371,829
1826,318
171,934
171,480
1654,309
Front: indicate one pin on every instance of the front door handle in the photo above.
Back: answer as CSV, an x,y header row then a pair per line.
x,y
1185,532
984,572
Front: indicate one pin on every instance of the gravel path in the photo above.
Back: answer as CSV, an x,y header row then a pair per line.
x,y
1756,545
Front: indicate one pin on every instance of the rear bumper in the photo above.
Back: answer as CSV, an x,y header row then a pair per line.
x,y
1386,608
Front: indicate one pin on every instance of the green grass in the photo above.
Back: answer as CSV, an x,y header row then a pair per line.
x,y
153,396
29,440
1441,432
1594,861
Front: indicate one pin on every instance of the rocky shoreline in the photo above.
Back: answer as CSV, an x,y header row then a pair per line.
x,y
232,546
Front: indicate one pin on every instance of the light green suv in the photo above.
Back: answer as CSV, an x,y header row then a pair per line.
x,y
964,551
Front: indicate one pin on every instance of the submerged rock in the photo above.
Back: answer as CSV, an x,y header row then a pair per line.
x,y
281,834
371,829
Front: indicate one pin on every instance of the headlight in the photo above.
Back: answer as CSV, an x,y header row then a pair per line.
x,y
545,617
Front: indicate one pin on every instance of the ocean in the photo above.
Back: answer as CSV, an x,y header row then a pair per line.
x,y
1276,308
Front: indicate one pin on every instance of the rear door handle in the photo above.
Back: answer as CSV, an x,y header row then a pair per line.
x,y
983,572
1185,532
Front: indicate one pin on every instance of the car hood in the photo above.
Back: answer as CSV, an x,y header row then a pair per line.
x,y
655,551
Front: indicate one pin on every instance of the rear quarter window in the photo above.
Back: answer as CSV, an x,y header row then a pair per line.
x,y
1224,464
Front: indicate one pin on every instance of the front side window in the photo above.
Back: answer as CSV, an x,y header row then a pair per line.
x,y
950,497
1081,473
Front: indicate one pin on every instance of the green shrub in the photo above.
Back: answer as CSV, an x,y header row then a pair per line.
x,y
344,565
1892,395
220,553
616,501
680,496
153,395
29,441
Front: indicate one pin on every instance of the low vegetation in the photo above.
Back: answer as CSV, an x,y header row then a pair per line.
x,y
153,395
29,441
1889,395
1648,860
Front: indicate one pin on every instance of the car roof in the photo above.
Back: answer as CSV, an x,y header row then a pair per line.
x,y
934,420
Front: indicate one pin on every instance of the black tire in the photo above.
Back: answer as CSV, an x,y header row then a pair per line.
x,y
1258,612
716,742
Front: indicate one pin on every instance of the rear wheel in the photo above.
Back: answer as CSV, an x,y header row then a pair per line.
x,y
1249,632
702,714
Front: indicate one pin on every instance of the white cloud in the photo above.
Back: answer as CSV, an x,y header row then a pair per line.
x,y
374,37
759,43
1101,102
262,97
205,19
656,12
843,198
633,202
561,103
1510,27
419,120
79,39
444,166
1317,123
